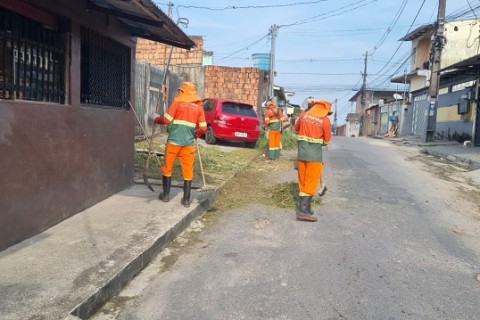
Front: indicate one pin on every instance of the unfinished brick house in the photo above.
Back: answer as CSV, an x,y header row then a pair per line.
x,y
249,85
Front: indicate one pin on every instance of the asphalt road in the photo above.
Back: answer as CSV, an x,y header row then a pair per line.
x,y
398,237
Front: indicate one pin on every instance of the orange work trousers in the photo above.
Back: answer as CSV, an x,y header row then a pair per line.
x,y
309,174
186,156
274,138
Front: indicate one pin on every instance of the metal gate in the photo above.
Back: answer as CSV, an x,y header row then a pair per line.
x,y
477,125
420,109
148,84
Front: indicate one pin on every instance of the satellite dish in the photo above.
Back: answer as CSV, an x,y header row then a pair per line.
x,y
397,96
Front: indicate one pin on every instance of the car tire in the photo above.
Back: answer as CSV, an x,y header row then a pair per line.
x,y
209,136
250,144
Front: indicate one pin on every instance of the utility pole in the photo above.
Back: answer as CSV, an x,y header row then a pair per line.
x,y
273,33
335,119
364,84
435,58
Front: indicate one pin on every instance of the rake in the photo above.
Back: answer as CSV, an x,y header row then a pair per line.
x,y
204,191
150,149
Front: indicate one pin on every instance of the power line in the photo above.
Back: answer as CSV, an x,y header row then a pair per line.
x,y
467,12
252,7
246,47
318,60
401,43
389,29
332,13
319,74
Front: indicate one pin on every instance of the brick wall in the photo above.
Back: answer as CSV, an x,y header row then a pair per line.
x,y
371,121
157,53
240,84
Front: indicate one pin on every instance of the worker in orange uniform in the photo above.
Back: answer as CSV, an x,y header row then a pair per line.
x,y
314,132
273,123
323,186
187,120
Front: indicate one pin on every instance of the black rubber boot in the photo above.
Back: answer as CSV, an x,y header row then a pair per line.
x,y
165,195
187,187
304,209
309,205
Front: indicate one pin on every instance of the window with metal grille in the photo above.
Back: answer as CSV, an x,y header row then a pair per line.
x,y
32,59
105,71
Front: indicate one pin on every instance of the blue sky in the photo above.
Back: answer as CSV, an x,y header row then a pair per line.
x,y
321,45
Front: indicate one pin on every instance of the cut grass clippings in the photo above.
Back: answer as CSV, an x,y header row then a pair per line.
x,y
219,165
255,185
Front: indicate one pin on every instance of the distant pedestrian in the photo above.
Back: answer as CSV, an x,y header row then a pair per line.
x,y
273,123
187,123
314,132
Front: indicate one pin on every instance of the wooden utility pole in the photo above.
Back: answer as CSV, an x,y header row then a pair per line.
x,y
435,59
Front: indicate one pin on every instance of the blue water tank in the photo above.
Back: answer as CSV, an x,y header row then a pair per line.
x,y
261,61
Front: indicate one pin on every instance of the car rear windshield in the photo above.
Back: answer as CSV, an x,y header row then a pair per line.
x,y
239,109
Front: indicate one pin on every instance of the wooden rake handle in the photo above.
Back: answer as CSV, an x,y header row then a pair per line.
x,y
201,164
143,131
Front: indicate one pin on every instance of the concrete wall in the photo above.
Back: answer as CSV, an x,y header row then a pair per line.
x,y
422,53
462,41
353,129
451,125
405,118
60,159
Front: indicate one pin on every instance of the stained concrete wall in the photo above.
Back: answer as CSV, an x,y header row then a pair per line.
x,y
58,159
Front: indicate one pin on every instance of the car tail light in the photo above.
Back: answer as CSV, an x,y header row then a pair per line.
x,y
220,120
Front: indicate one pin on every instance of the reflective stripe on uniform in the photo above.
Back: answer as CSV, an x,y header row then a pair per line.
x,y
168,117
185,123
311,140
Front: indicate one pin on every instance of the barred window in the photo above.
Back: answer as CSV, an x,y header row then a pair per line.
x,y
32,59
105,71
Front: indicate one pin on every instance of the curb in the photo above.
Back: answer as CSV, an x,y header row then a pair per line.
x,y
472,165
90,305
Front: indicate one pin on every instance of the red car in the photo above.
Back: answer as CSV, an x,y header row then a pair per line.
x,y
231,121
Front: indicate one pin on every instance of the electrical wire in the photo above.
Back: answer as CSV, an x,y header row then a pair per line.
x,y
389,29
319,74
245,48
332,13
473,11
401,43
468,11
252,7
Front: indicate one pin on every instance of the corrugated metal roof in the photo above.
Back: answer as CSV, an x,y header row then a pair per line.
x,y
420,31
359,92
144,19
467,63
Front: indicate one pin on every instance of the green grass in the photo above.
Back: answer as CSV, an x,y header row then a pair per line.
x,y
218,165
289,141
